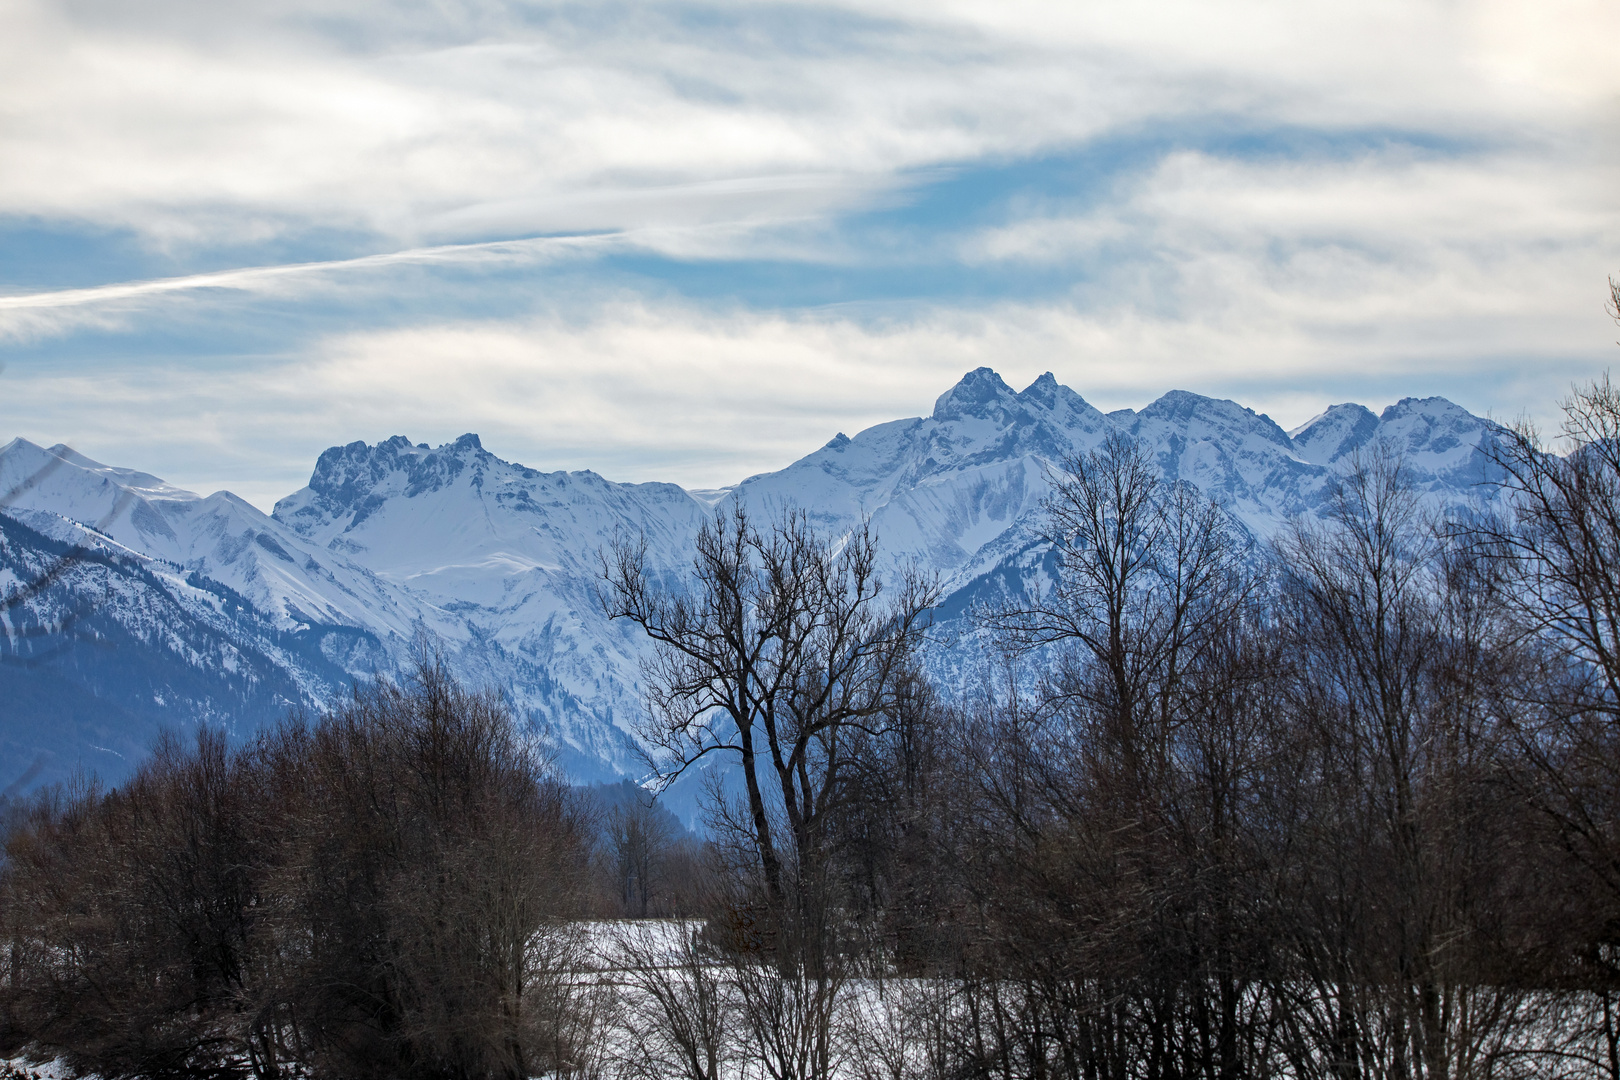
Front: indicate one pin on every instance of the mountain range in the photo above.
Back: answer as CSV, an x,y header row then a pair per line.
x,y
129,604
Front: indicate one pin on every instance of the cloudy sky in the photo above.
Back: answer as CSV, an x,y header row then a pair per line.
x,y
690,241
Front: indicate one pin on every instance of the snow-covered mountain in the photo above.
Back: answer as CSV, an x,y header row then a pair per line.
x,y
103,647
502,562
300,586
498,562
959,491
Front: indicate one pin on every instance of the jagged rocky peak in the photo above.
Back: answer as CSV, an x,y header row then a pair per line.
x,y
1340,430
1432,435
1439,439
1432,425
355,477
341,468
1047,393
1063,405
982,394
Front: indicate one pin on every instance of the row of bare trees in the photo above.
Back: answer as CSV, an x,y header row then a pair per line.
x,y
1343,805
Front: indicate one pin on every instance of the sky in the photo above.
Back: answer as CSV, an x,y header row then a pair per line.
x,y
691,241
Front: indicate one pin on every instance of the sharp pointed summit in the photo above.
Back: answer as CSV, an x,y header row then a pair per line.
x,y
980,393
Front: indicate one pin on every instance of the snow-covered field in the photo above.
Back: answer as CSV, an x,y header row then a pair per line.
x,y
647,999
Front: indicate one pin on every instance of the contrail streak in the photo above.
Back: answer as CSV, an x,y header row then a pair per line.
x,y
247,277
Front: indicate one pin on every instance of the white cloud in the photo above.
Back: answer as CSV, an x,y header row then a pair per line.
x,y
1410,256
192,121
674,392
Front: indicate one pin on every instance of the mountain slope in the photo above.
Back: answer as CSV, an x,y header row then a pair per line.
x,y
222,536
102,648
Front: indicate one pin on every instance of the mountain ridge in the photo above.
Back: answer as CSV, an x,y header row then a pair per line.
x,y
393,541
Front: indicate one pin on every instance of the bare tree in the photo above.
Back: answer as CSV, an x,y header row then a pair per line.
x,y
1557,554
131,915
784,649
433,849
678,1020
373,893
1112,868
1396,907
638,839
1146,573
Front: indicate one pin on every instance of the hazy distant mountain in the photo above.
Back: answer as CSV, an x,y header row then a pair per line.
x,y
498,562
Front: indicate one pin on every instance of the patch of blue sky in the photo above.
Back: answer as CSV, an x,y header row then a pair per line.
x,y
203,328
37,255
776,30
787,284
1088,176
202,335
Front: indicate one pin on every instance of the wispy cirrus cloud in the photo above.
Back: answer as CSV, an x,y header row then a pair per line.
x,y
416,122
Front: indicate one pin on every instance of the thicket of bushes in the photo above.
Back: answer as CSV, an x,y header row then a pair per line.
x,y
366,894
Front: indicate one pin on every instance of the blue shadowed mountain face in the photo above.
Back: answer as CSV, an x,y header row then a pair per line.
x,y
177,609
105,647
